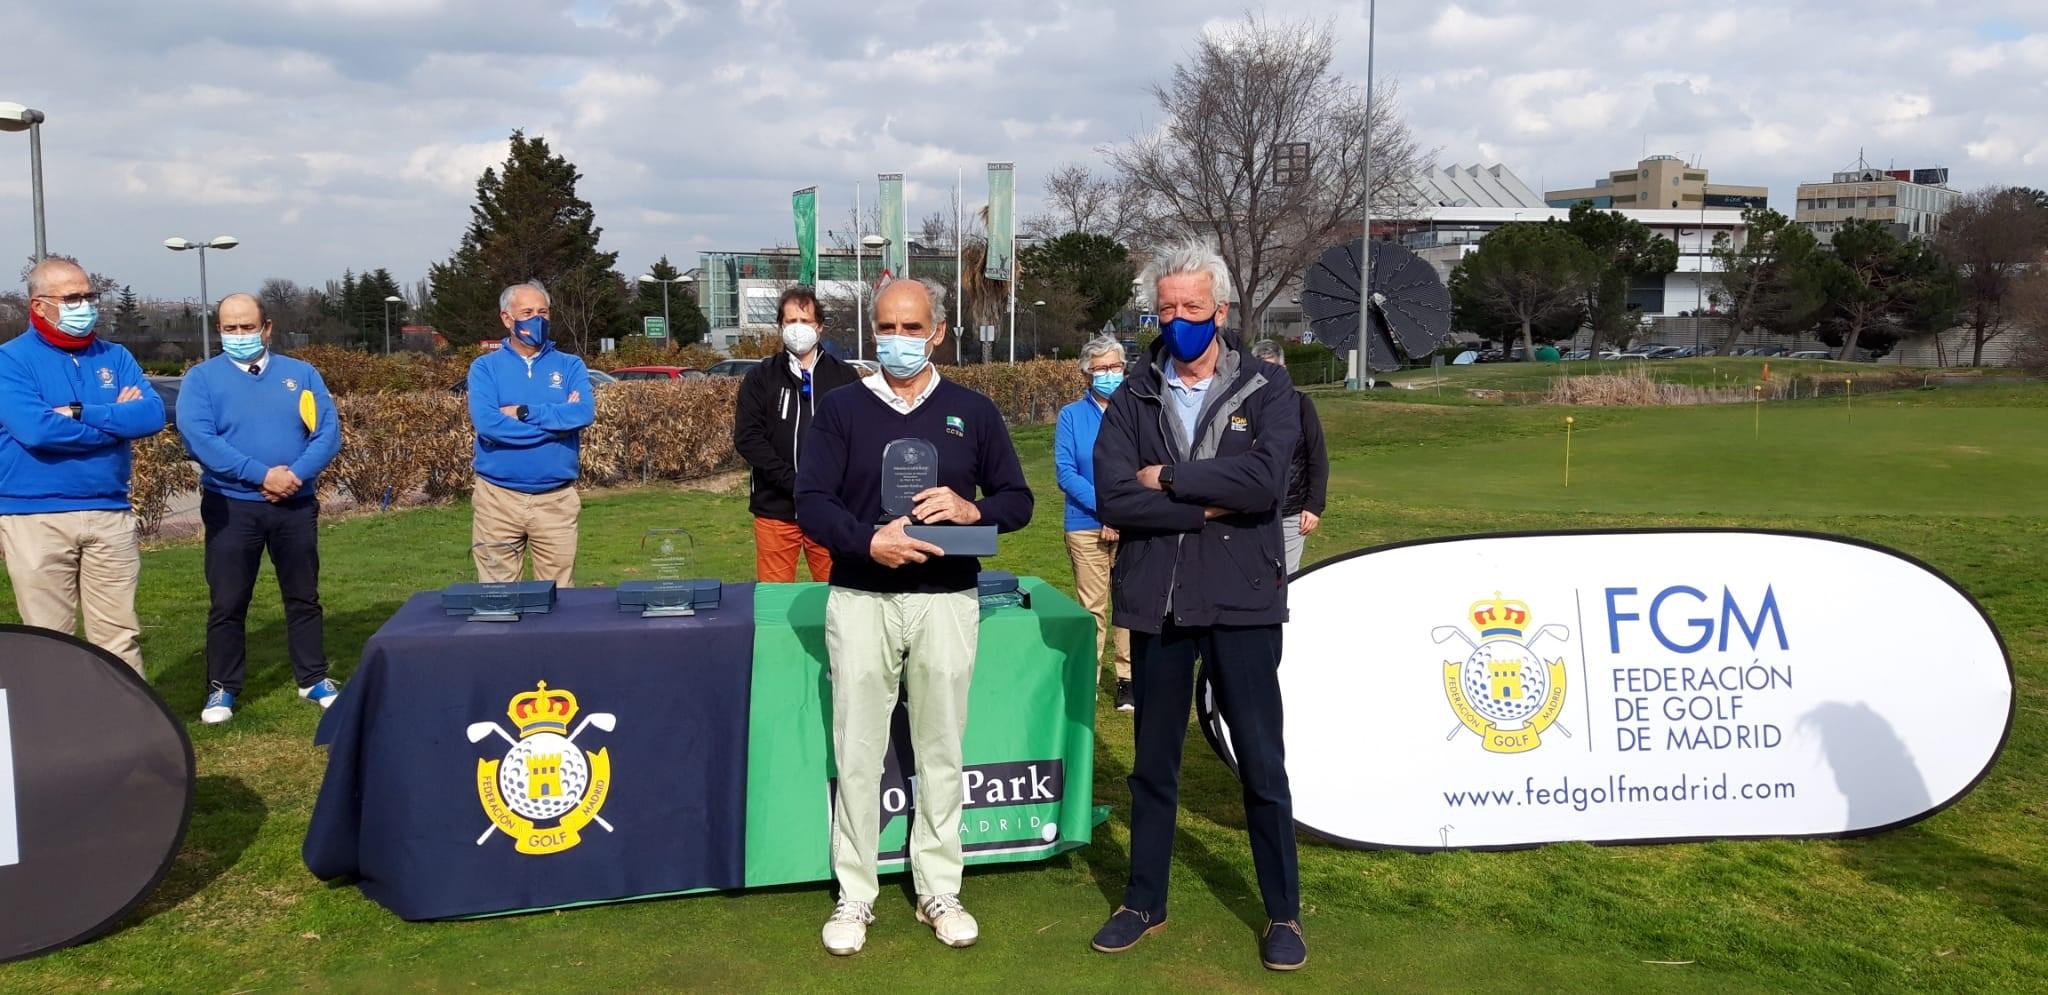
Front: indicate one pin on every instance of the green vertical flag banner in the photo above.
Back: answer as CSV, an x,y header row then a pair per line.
x,y
804,204
1002,221
895,255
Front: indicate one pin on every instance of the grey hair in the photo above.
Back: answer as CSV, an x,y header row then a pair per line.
x,y
505,296
1100,345
1186,259
39,274
1268,350
932,288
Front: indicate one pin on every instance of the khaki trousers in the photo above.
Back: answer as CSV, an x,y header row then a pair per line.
x,y
63,561
926,644
1092,557
509,525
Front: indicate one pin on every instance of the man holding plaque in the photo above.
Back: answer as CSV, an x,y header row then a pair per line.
x,y
262,427
530,404
777,401
888,482
1191,469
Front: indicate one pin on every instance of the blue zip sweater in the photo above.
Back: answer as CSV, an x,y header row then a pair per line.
x,y
1073,460
239,426
540,453
51,462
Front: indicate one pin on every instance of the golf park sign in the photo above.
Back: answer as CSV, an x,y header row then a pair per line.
x,y
1634,686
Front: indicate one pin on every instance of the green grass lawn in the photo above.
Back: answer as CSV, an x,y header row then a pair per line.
x,y
1959,902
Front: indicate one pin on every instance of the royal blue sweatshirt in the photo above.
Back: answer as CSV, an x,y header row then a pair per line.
x,y
1073,461
239,426
51,462
540,453
839,485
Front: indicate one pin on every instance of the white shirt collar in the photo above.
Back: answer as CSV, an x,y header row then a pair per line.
x,y
261,357
880,385
796,366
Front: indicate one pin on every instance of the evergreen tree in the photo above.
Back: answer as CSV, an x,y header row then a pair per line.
x,y
1626,252
128,313
686,322
528,224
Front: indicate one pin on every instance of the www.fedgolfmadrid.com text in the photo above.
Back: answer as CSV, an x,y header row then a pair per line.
x,y
1617,791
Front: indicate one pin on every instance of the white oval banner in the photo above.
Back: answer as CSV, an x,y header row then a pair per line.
x,y
1654,686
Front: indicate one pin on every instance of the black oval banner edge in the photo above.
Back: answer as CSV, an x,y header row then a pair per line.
x,y
1209,716
184,819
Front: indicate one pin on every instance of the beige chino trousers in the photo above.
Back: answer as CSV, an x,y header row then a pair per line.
x,y
64,561
510,525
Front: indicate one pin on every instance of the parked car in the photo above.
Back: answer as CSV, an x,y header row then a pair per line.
x,y
627,373
167,388
732,368
869,367
1769,350
1577,354
1811,354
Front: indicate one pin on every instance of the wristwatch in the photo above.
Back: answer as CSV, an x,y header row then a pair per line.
x,y
523,411
1166,478
77,410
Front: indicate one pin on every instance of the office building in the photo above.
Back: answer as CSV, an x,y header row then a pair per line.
x,y
737,291
1661,182
1911,201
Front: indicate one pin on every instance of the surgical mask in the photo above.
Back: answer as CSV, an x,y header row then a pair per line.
x,y
532,331
1107,382
798,337
902,355
77,320
1188,340
242,348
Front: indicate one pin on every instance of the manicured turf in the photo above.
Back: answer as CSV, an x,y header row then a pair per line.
x,y
1959,902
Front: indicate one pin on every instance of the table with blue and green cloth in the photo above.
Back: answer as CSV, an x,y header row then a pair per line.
x,y
719,751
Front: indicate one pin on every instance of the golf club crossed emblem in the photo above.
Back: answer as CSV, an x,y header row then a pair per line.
x,y
545,777
1504,692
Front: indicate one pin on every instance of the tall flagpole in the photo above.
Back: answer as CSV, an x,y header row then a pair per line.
x,y
1365,242
860,285
959,262
1013,268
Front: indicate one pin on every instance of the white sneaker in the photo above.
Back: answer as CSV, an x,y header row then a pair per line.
x,y
847,931
949,920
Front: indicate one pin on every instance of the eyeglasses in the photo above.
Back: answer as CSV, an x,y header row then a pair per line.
x,y
89,297
1113,368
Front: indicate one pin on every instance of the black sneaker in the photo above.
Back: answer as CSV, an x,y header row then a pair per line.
x,y
1123,696
1126,928
1283,949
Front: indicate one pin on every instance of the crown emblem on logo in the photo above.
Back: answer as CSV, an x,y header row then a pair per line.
x,y
1498,616
542,710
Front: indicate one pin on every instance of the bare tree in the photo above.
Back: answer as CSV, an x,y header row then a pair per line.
x,y
1080,201
935,231
1993,237
1231,107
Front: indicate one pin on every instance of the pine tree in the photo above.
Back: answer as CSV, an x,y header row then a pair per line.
x,y
528,224
686,322
128,313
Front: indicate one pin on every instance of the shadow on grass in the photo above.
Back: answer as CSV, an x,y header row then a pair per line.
x,y
184,683
1918,861
226,816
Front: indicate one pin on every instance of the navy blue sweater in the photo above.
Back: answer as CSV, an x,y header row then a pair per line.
x,y
239,426
839,486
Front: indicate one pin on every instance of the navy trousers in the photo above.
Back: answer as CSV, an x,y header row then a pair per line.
x,y
1242,665
237,533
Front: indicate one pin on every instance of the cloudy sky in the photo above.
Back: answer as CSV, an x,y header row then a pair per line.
x,y
329,134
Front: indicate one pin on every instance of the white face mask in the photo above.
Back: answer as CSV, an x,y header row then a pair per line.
x,y
799,337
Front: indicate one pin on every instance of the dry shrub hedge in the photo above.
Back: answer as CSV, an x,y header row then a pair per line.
x,y
1026,393
1637,389
661,431
162,472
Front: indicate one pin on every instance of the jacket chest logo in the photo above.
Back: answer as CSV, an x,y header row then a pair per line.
x,y
106,377
955,425
555,380
1238,423
291,384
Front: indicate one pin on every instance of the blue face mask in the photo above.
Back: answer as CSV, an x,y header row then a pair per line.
x,y
77,320
532,331
242,348
1188,340
1106,383
902,355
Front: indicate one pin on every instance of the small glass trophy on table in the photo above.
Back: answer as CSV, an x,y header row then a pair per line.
x,y
499,595
668,593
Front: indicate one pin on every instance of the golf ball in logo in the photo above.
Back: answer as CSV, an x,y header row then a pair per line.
x,y
543,776
1505,682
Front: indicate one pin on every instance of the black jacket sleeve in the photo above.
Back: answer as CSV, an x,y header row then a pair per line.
x,y
753,419
1256,480
819,511
1318,457
1120,501
1006,499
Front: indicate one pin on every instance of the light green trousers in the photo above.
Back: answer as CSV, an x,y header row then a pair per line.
x,y
924,643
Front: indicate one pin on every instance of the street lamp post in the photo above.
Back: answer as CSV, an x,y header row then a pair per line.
x,y
668,330
1035,305
15,117
878,244
223,243
388,301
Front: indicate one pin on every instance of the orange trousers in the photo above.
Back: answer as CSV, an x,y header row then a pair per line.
x,y
776,546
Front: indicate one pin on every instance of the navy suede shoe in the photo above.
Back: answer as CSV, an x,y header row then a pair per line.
x,y
1283,949
1126,928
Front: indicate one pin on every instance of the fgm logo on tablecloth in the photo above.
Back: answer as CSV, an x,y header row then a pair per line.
x,y
1504,691
545,777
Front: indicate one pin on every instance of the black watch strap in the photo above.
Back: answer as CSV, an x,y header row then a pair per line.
x,y
1166,477
77,410
524,411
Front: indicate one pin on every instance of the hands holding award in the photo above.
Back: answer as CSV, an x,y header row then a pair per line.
x,y
925,519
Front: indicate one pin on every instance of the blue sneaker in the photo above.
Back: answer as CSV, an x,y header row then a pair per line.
x,y
322,693
1125,928
1283,949
220,706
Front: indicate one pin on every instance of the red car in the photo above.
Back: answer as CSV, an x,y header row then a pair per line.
x,y
631,373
